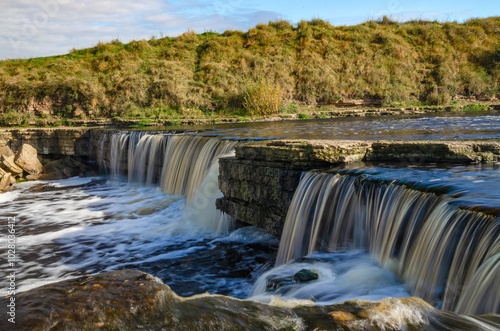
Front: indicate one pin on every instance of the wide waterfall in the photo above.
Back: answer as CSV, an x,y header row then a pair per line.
x,y
446,255
179,164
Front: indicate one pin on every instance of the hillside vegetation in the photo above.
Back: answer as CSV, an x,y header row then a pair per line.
x,y
267,69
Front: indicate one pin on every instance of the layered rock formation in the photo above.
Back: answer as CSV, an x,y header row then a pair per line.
x,y
48,153
258,184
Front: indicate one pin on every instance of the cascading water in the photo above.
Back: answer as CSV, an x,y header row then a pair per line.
x,y
448,256
187,161
137,220
180,164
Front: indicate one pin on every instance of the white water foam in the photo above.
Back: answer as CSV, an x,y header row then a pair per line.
x,y
72,227
342,277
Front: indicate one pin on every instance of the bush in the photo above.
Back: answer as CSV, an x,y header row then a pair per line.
x,y
14,119
263,98
475,107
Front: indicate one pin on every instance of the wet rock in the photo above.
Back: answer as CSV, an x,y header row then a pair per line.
x,y
232,256
304,275
133,300
64,168
33,177
272,284
68,172
27,159
9,165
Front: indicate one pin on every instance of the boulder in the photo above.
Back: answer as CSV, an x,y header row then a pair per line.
x,y
68,172
272,284
34,177
304,275
5,151
5,180
64,168
27,159
9,165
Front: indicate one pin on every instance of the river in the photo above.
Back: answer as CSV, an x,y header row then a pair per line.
x,y
153,211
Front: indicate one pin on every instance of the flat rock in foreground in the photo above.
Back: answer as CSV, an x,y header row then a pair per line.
x,y
131,300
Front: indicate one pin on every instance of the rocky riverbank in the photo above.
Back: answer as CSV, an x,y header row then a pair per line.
x,y
46,154
130,299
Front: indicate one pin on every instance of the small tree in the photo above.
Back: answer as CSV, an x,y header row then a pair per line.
x,y
263,97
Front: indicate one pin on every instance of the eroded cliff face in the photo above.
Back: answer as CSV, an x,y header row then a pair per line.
x,y
70,141
63,152
258,184
256,192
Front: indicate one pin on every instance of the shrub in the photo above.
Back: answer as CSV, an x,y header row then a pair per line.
x,y
475,107
263,98
13,118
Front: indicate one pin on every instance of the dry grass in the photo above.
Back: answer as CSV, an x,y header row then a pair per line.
x,y
313,63
263,97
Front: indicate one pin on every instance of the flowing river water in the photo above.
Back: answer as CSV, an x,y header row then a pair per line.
x,y
358,229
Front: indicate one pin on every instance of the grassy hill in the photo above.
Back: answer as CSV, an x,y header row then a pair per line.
x,y
270,68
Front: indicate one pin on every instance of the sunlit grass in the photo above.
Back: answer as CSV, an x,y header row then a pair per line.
x,y
273,68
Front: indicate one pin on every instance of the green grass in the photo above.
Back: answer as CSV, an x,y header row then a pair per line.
x,y
271,68
475,107
304,116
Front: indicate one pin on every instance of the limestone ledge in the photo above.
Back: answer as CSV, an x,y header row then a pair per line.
x,y
297,152
258,184
53,141
256,192
64,152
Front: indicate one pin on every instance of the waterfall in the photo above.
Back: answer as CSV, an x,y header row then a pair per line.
x,y
187,161
180,165
100,154
119,144
144,158
448,256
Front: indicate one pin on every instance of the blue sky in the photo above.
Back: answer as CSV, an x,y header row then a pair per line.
x,y
30,28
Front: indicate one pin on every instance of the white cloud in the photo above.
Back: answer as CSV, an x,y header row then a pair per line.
x,y
30,28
